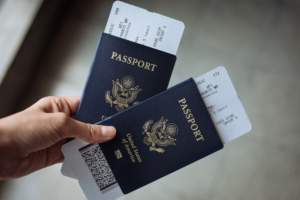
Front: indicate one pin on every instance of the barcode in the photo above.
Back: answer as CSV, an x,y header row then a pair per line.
x,y
98,167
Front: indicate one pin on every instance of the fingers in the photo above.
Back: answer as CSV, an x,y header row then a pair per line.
x,y
73,103
54,154
87,132
67,105
61,125
46,129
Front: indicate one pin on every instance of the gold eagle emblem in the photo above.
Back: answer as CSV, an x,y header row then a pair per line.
x,y
124,93
161,134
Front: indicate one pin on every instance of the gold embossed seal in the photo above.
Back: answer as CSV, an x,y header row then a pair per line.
x,y
123,92
161,134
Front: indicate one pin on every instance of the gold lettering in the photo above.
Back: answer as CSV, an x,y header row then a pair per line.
x,y
191,120
134,148
182,100
134,61
200,138
119,57
194,125
198,133
129,152
147,66
183,106
129,60
124,59
187,111
153,67
136,151
189,116
142,65
114,54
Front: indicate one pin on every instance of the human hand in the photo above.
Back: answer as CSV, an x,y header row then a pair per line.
x,y
32,139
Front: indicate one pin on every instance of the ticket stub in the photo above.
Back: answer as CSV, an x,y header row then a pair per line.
x,y
223,105
139,25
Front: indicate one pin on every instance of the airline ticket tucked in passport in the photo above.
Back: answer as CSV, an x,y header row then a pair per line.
x,y
223,104
225,109
139,25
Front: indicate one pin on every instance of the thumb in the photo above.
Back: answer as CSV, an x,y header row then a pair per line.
x,y
88,132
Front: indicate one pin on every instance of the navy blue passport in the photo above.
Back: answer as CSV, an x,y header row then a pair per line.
x,y
159,136
122,75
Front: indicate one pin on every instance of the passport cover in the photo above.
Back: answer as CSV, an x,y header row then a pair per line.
x,y
159,136
122,74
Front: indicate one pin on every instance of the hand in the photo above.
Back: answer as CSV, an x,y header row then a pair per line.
x,y
31,140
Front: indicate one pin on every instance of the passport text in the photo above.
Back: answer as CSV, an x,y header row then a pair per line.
x,y
191,119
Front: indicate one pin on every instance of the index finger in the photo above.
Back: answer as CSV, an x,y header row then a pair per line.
x,y
54,104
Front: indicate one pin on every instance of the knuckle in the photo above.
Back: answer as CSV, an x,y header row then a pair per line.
x,y
54,104
46,99
91,131
44,102
60,104
62,123
63,119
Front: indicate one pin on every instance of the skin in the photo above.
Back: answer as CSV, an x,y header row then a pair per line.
x,y
32,139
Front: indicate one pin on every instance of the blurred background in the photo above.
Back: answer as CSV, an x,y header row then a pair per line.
x,y
46,48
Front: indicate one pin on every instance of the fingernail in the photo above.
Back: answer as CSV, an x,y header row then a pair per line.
x,y
108,131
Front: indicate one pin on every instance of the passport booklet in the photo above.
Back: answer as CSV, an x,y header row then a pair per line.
x,y
159,136
134,60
